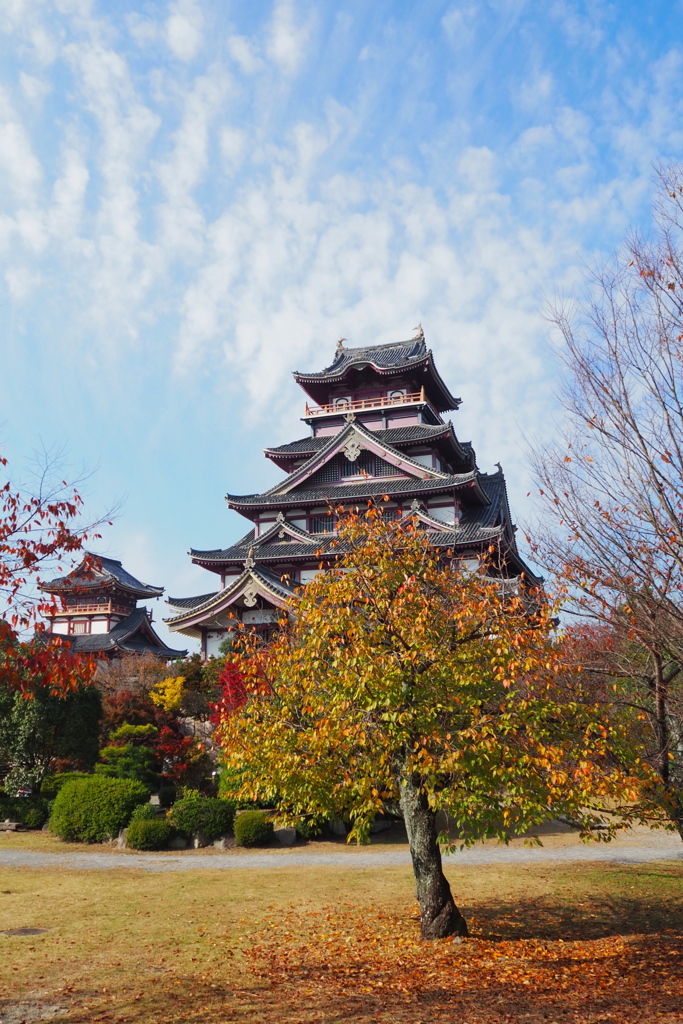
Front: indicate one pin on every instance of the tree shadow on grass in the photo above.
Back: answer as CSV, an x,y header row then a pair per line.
x,y
588,915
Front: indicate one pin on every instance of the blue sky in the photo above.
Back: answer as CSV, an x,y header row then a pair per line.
x,y
198,197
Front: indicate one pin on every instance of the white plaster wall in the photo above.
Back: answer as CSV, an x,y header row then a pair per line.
x,y
213,641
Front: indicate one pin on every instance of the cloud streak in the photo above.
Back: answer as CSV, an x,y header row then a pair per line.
x,y
198,199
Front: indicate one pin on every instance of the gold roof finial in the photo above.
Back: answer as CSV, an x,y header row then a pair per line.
x,y
420,333
340,344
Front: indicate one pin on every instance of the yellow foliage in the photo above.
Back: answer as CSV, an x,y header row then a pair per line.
x,y
169,693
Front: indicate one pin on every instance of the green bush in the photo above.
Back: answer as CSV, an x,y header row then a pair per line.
x,y
148,834
167,795
129,762
93,810
52,784
31,811
313,827
207,814
252,828
145,812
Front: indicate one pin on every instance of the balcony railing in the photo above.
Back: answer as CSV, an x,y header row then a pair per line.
x,y
385,401
104,609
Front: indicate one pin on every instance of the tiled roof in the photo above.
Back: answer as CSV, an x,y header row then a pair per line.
x,y
105,572
123,637
190,602
388,361
356,491
394,435
268,579
385,356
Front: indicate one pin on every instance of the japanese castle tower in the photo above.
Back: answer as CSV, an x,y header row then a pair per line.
x,y
376,428
98,611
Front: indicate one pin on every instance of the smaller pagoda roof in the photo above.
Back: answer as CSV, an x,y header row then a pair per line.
x,y
388,360
132,635
96,572
267,583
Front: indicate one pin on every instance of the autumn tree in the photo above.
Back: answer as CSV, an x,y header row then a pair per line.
x,y
41,525
49,711
613,485
401,679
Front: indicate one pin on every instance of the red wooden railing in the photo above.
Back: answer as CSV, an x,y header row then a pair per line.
x,y
414,398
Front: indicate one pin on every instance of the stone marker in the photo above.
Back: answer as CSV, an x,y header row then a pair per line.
x,y
286,836
380,825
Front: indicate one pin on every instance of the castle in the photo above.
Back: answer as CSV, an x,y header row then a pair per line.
x,y
376,429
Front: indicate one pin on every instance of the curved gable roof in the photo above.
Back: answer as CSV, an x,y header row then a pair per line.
x,y
387,360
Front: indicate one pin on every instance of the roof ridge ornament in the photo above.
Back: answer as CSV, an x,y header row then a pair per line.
x,y
340,344
249,562
415,506
350,417
420,336
352,448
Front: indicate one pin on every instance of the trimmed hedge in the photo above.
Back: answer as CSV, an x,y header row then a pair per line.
x,y
148,834
206,814
93,810
252,828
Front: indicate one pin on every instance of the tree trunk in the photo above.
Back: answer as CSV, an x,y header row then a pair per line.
x,y
661,720
439,915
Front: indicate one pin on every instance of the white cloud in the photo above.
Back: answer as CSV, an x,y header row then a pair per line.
x,y
460,24
477,165
244,53
142,30
233,143
286,42
181,216
20,168
184,29
33,88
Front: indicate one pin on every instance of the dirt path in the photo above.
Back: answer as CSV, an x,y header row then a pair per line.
x,y
635,847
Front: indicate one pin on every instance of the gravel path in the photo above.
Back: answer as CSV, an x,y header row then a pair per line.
x,y
636,847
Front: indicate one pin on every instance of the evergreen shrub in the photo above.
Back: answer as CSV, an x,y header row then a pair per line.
x,y
93,810
52,784
148,834
30,811
167,795
313,827
207,814
252,828
146,812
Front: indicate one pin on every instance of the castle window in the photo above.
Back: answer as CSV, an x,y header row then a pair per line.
x,y
323,524
341,468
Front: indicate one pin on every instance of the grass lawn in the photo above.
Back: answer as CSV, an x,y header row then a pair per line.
x,y
581,943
